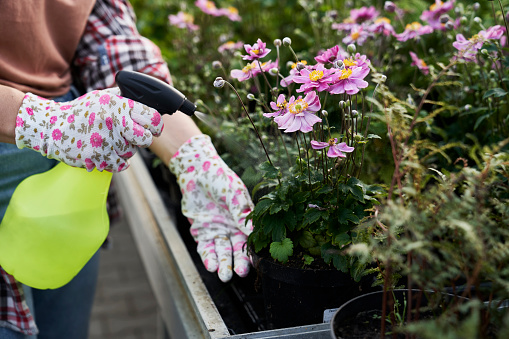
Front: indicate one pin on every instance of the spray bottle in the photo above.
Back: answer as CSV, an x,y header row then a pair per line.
x,y
45,242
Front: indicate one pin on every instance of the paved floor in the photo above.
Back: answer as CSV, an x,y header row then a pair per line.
x,y
124,306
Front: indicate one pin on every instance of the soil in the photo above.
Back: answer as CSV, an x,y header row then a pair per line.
x,y
366,325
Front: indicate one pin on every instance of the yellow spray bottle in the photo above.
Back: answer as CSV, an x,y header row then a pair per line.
x,y
57,220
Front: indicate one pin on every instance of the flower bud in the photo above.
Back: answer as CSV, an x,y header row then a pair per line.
x,y
325,113
444,18
351,48
357,137
219,82
300,66
287,41
468,107
338,64
354,113
250,96
476,6
410,100
389,6
449,25
216,64
277,42
342,104
477,20
463,20
484,51
237,54
273,71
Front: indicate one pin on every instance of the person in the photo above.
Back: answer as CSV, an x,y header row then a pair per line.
x,y
59,103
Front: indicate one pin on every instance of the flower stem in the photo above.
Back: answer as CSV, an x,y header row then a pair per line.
x,y
252,123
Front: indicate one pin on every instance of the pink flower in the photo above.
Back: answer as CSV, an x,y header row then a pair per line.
x,y
191,185
358,35
206,166
30,111
156,119
257,51
91,119
317,78
363,14
331,55
121,166
190,169
432,16
104,99
469,48
419,63
280,107
123,121
37,147
89,164
56,134
79,144
53,119
230,46
251,70
207,7
293,72
96,140
382,25
109,123
65,107
414,31
349,81
103,164
138,130
300,115
335,149
231,13
70,118
19,121
127,155
219,172
183,20
130,102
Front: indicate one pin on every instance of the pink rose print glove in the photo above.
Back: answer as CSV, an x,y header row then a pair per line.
x,y
216,202
97,130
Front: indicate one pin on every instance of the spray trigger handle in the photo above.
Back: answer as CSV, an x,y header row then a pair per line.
x,y
153,93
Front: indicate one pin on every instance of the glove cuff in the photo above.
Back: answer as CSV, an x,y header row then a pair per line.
x,y
29,131
193,152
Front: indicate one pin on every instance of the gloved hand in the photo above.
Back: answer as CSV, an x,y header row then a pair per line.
x,y
216,202
99,129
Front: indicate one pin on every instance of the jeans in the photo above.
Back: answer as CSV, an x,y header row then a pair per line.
x,y
64,312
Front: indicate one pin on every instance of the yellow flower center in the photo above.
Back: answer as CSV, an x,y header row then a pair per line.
x,y
332,142
248,67
345,74
413,26
355,35
315,75
233,10
298,106
210,5
380,20
423,64
282,105
475,38
188,18
434,6
255,51
349,63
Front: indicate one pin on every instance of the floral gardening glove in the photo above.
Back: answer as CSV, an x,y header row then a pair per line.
x,y
216,202
99,129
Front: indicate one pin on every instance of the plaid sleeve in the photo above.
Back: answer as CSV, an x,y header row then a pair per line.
x,y
110,43
14,312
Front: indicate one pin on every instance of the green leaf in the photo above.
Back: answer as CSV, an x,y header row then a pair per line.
x,y
494,92
272,224
332,253
342,239
261,207
281,250
345,215
308,259
374,136
306,240
271,172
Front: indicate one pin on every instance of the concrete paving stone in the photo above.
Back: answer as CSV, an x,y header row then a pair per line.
x,y
123,325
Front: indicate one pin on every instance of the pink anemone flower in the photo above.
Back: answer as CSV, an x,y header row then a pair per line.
x,y
363,14
316,78
183,20
280,107
382,25
257,51
331,55
300,114
349,81
414,31
231,13
432,16
208,7
421,65
358,35
335,150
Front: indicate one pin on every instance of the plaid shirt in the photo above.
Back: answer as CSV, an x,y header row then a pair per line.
x,y
110,43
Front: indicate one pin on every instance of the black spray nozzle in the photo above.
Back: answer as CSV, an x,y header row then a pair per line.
x,y
153,93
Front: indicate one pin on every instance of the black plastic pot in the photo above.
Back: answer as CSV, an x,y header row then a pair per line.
x,y
296,296
347,313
